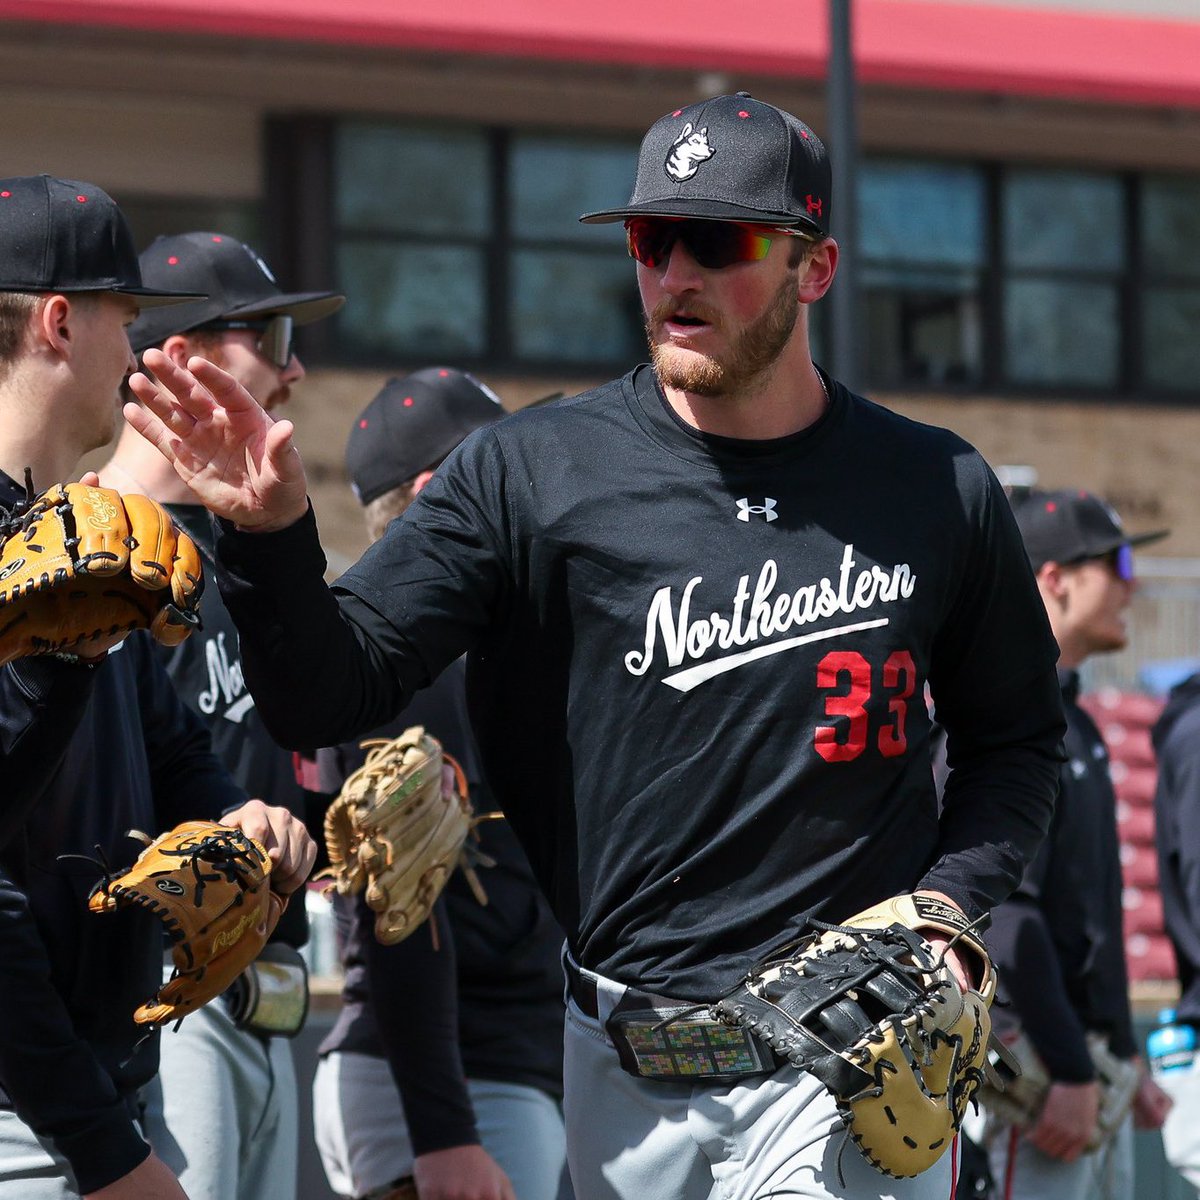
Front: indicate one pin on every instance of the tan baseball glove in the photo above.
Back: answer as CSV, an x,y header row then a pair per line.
x,y
868,1009
398,828
79,562
209,885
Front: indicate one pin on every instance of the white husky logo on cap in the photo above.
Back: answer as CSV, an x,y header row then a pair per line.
x,y
687,152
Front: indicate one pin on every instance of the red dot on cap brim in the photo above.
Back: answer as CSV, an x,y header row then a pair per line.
x,y
408,402
172,261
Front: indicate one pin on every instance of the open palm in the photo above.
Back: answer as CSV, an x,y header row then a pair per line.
x,y
238,461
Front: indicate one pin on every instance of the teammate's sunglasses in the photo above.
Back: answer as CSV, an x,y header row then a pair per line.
x,y
275,336
1118,561
713,244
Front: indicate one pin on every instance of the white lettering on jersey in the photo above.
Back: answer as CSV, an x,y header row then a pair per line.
x,y
760,616
225,683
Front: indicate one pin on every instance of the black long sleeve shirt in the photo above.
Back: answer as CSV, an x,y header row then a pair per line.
x,y
696,667
1058,940
71,1057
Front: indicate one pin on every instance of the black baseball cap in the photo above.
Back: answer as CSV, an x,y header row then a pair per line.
x,y
412,424
732,158
1070,525
61,235
234,282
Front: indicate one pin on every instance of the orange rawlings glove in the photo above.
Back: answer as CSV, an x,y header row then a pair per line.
x,y
79,562
210,886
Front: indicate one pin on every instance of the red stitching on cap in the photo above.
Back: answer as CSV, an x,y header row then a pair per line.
x,y
5,195
677,112
743,113
81,199
804,134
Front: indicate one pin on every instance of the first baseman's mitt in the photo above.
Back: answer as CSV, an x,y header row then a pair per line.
x,y
866,1008
399,827
79,562
210,886
1021,1099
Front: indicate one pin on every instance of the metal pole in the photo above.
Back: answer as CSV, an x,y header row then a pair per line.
x,y
845,325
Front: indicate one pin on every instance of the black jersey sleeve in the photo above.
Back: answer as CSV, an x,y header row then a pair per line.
x,y
327,664
996,692
49,1073
1021,945
41,703
414,996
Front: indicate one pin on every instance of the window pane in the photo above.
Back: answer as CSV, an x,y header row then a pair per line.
x,y
925,332
1063,220
413,300
576,307
1061,333
412,179
554,179
922,212
1171,227
1172,319
152,216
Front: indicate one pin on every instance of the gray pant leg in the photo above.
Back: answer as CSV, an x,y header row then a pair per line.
x,y
227,1123
775,1136
1106,1174
1181,1133
522,1129
30,1168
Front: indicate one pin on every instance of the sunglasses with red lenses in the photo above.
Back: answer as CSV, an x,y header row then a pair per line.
x,y
713,244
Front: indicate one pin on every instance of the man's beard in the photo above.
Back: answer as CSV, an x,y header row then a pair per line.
x,y
752,352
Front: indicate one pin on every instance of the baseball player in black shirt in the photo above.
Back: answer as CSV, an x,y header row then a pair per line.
x,y
1057,941
700,606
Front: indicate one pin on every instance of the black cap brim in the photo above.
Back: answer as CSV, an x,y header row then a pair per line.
x,y
302,307
1144,539
150,298
703,210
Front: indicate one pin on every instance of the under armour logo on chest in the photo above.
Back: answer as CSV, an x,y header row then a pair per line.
x,y
766,509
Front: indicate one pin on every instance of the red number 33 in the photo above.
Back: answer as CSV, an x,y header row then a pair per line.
x,y
846,675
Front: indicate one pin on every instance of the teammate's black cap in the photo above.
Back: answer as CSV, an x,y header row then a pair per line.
x,y
234,281
1070,526
412,425
731,158
60,235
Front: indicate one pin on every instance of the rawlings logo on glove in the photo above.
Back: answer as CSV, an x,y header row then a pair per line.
x,y
398,828
79,562
868,1009
209,885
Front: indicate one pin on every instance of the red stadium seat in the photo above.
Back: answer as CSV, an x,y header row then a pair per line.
x,y
1143,910
1149,957
1127,708
1139,866
1135,824
1134,785
1129,744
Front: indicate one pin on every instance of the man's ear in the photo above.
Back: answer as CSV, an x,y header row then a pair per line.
x,y
178,349
420,480
54,323
1051,579
818,270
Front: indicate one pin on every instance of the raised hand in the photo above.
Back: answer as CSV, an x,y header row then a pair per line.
x,y
238,461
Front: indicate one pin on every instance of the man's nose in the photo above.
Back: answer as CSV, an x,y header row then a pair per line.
x,y
293,372
681,273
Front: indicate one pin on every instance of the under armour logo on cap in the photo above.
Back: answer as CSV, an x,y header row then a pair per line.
x,y
766,509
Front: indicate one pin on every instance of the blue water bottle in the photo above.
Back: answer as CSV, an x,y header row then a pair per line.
x,y
1170,1047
